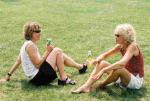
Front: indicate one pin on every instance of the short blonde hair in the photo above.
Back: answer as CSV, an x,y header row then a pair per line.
x,y
29,28
127,31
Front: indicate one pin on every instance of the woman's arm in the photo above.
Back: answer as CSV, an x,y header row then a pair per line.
x,y
16,65
34,55
12,70
107,54
119,64
131,51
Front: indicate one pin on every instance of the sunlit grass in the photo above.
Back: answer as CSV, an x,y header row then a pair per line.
x,y
75,26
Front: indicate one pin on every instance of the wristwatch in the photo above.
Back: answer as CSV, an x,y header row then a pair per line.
x,y
8,74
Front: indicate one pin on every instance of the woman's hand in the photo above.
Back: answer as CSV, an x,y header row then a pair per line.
x,y
7,78
49,48
97,76
96,61
3,80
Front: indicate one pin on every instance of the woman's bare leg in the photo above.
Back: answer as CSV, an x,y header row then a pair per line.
x,y
51,59
87,85
124,75
68,61
56,60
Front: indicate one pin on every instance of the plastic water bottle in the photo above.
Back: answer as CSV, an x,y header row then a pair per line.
x,y
89,58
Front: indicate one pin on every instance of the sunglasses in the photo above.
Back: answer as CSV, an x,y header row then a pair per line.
x,y
37,31
117,35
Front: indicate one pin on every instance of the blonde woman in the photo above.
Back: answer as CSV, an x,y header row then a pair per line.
x,y
128,71
42,70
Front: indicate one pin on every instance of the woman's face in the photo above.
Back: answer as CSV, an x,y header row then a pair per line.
x,y
36,35
119,39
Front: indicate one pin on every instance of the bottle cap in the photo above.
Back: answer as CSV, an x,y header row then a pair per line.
x,y
89,52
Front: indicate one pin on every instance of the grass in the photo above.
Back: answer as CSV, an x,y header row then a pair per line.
x,y
75,26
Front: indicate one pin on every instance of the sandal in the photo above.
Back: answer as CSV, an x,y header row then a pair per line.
x,y
83,70
67,81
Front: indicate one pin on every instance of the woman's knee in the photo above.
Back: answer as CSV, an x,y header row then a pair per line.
x,y
57,50
124,75
104,63
119,71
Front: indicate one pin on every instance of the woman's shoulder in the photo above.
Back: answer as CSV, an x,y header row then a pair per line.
x,y
135,48
30,45
133,45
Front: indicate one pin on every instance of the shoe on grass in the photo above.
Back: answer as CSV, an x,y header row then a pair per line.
x,y
67,81
83,69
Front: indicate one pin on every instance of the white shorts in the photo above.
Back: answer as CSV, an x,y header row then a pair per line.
x,y
135,83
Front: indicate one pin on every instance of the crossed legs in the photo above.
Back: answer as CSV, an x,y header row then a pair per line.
x,y
113,76
87,85
122,73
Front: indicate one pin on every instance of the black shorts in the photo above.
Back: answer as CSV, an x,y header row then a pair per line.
x,y
45,75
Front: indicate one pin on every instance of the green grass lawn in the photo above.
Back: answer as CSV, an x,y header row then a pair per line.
x,y
75,26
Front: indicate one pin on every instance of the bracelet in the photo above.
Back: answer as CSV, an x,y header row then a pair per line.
x,y
8,74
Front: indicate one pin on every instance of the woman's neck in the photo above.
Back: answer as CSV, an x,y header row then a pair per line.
x,y
34,41
125,45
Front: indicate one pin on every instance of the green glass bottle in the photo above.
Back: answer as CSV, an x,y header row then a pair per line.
x,y
49,41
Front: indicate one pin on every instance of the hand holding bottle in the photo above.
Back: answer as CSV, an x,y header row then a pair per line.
x,y
49,41
49,46
96,61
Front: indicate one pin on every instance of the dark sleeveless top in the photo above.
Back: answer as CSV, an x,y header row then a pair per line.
x,y
136,64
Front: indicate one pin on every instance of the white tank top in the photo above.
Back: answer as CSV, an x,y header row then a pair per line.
x,y
28,67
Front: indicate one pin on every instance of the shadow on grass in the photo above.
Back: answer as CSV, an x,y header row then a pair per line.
x,y
120,94
25,85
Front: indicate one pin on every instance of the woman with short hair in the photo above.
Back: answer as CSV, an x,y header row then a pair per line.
x,y
42,70
127,72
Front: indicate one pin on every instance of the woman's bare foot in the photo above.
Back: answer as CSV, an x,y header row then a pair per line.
x,y
81,90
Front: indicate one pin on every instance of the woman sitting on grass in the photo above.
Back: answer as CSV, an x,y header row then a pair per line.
x,y
127,72
42,70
